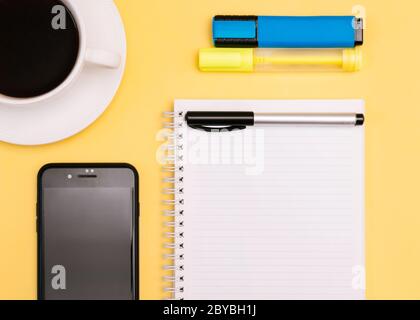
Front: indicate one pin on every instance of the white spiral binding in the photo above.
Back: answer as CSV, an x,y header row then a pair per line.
x,y
174,166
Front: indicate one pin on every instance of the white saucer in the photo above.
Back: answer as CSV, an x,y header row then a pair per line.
x,y
81,104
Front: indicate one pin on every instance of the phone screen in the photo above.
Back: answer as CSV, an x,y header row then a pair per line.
x,y
87,230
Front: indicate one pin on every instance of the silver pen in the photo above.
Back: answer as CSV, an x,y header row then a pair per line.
x,y
233,120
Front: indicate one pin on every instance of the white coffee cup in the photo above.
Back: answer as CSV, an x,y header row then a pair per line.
x,y
86,55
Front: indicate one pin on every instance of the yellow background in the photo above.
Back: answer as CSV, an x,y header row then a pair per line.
x,y
163,39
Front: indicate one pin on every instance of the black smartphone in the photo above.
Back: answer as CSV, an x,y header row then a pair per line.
x,y
87,226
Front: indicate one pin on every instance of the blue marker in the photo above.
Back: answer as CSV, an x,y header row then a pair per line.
x,y
287,32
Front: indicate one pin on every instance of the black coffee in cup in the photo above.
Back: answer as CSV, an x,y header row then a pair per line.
x,y
39,46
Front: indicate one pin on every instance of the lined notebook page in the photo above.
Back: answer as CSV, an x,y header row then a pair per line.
x,y
270,212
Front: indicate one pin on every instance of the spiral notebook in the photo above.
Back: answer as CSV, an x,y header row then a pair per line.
x,y
272,212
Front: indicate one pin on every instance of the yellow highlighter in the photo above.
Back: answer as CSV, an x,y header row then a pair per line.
x,y
250,60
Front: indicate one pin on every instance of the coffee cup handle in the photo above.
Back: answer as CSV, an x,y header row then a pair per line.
x,y
103,58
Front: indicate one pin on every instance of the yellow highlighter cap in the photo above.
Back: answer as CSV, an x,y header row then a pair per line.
x,y
226,60
352,59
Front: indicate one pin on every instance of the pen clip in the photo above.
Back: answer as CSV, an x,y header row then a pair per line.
x,y
217,128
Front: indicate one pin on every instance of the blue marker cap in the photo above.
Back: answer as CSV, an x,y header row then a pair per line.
x,y
287,32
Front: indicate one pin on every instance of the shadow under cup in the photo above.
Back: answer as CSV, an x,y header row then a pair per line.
x,y
40,46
